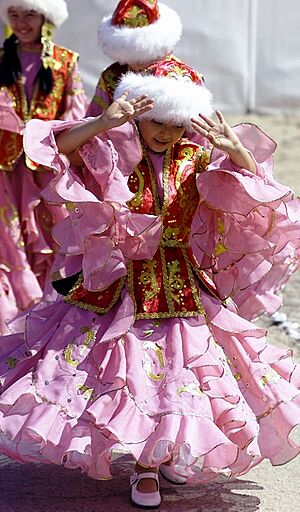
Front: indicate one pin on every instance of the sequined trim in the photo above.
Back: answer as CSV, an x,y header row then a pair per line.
x,y
89,307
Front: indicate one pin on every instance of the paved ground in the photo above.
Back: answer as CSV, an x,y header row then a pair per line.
x,y
36,488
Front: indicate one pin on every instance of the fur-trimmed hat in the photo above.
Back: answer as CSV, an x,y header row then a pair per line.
x,y
54,11
139,32
178,92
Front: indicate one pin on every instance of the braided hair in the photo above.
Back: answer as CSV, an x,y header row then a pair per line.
x,y
10,68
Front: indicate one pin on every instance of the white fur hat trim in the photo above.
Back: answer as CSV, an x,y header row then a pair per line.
x,y
176,101
54,11
141,45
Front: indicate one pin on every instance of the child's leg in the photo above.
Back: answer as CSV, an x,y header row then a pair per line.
x,y
146,484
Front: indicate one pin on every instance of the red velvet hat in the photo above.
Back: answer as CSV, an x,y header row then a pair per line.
x,y
140,32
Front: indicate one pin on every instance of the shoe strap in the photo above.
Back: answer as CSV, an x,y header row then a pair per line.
x,y
136,477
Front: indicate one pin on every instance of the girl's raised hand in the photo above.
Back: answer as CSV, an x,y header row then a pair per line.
x,y
219,133
123,110
222,136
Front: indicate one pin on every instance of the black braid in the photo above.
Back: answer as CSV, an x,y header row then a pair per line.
x,y
45,78
10,68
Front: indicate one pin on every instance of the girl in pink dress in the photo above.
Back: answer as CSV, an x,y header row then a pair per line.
x,y
143,348
38,79
135,35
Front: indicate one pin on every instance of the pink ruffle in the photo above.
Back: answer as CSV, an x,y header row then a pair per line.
x,y
105,232
209,391
246,231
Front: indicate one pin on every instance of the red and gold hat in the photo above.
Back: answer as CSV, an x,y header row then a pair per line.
x,y
140,32
178,91
54,11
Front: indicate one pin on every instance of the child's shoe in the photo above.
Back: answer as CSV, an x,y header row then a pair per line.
x,y
144,499
169,474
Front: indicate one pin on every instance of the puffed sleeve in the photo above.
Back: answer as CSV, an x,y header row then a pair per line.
x,y
100,231
246,232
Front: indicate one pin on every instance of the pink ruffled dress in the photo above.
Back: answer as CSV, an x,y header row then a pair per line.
x,y
27,247
165,375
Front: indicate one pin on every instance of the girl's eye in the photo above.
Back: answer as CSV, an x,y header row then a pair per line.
x,y
158,123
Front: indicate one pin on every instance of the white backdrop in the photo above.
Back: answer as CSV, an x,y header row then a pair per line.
x,y
248,50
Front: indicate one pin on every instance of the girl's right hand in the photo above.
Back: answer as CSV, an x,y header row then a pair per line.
x,y
123,110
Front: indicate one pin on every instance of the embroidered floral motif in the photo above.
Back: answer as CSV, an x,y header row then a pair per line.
x,y
149,365
271,377
89,339
175,281
148,279
192,389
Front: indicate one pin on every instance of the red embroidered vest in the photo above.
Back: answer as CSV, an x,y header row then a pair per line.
x,y
167,285
45,107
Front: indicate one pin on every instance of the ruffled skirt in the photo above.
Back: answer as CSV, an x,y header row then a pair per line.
x,y
27,247
208,391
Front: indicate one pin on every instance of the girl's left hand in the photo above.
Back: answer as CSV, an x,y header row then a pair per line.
x,y
219,133
222,136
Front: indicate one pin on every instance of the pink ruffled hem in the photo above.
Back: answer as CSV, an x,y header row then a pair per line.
x,y
211,393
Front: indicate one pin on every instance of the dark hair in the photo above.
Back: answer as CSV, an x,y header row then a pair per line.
x,y
10,67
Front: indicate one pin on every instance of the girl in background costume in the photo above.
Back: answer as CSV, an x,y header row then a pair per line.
x,y
143,348
136,34
38,79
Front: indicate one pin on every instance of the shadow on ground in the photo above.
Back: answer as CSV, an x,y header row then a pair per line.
x,y
49,488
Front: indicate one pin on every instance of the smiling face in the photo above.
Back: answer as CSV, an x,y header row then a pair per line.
x,y
26,24
159,136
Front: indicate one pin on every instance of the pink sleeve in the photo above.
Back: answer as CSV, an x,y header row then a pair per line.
x,y
9,120
100,102
109,158
103,232
75,98
246,231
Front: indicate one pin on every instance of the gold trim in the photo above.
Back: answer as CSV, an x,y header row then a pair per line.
x,y
89,307
165,276
195,292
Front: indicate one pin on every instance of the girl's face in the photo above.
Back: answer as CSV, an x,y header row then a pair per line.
x,y
26,24
159,136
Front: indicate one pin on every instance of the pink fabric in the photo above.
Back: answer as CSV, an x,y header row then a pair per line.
x,y
246,231
207,390
27,247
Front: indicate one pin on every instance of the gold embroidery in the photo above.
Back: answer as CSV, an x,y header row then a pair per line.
x,y
137,199
135,17
85,391
271,377
167,290
148,278
89,338
90,307
192,389
11,362
201,310
147,362
220,249
175,282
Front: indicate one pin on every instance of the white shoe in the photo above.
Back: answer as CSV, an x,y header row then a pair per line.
x,y
169,474
144,499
